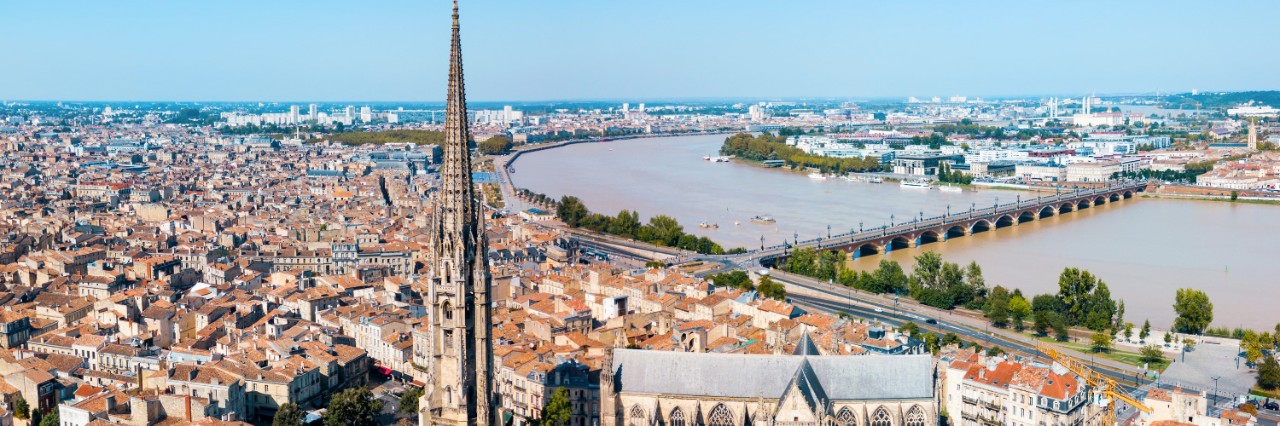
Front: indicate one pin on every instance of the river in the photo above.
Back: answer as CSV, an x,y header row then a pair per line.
x,y
1144,249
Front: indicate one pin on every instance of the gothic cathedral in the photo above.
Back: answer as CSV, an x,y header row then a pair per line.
x,y
460,388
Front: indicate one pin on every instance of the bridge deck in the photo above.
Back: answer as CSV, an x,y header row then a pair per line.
x,y
939,228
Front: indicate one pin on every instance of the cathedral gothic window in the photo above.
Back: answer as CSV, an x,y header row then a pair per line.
x,y
637,416
846,418
720,416
915,417
881,418
677,417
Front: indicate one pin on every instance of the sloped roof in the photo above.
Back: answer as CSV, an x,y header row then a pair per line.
x,y
751,376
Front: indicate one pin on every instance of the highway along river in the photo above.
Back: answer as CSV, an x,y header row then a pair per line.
x,y
1144,249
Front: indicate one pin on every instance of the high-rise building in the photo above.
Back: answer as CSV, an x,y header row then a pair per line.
x,y
293,114
1253,133
312,111
641,108
458,311
366,114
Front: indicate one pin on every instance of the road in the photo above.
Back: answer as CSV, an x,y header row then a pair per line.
x,y
832,299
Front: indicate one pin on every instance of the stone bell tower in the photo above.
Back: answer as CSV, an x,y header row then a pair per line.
x,y
460,391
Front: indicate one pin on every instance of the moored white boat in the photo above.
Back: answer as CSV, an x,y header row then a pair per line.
x,y
917,184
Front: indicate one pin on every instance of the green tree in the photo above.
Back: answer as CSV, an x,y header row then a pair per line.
x,y
910,327
1074,288
1195,312
20,409
626,224
50,418
662,230
1119,323
1060,328
1269,373
1151,354
1043,322
802,261
994,351
735,279
557,412
1128,330
932,343
888,278
1168,336
353,407
495,145
409,401
998,306
1146,331
950,339
771,289
1101,341
570,210
1019,310
289,414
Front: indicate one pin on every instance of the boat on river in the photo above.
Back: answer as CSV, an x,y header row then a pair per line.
x,y
763,219
949,188
817,176
916,184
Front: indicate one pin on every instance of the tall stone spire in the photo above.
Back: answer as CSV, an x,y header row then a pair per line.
x,y
461,390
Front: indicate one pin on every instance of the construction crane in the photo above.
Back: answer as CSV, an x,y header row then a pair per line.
x,y
1105,385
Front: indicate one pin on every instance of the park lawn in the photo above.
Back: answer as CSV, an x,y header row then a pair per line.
x,y
1131,358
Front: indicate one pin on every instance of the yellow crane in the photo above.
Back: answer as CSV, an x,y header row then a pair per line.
x,y
1106,385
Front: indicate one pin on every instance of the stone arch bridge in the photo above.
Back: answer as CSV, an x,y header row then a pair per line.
x,y
924,230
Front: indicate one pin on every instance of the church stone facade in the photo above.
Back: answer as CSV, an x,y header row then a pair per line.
x,y
651,388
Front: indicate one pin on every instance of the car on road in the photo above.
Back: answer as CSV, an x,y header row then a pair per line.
x,y
931,321
879,310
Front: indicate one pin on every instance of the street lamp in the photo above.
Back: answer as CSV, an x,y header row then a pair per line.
x,y
948,210
762,243
1019,199
859,226
1215,390
891,219
828,230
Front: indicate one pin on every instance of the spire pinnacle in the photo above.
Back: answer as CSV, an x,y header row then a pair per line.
x,y
455,14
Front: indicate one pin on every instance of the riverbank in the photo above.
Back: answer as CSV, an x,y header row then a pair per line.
x,y
1222,198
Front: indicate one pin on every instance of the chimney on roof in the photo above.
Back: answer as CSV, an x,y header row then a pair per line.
x,y
187,399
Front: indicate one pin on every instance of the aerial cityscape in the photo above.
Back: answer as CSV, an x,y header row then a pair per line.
x,y
697,223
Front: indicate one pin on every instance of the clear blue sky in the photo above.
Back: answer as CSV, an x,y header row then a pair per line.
x,y
393,50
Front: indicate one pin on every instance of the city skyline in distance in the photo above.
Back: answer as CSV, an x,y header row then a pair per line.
x,y
519,52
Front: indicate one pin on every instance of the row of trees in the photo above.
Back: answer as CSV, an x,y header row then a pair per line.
x,y
766,286
1082,299
497,144
947,175
661,230
419,137
933,282
770,147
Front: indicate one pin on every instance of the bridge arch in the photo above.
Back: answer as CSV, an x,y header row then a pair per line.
x,y
1128,194
867,249
1099,200
1113,197
1006,220
955,231
1027,216
1066,208
897,243
980,225
930,236
1084,204
1047,211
